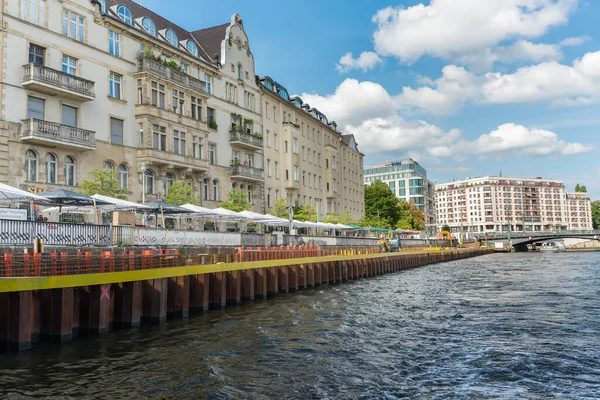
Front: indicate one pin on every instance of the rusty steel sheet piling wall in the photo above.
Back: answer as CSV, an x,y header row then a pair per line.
x,y
57,297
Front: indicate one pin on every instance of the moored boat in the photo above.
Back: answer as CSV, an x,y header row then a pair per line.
x,y
552,247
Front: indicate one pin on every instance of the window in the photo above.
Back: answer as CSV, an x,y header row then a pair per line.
x,y
178,103
102,6
123,176
249,100
268,136
210,116
274,113
114,43
108,166
184,67
295,145
158,95
208,80
73,25
36,54
124,13
285,146
250,160
69,171
196,108
197,147
215,185
276,170
205,184
69,65
268,197
140,92
33,11
192,47
69,115
212,154
149,180
159,138
116,131
50,168
235,155
268,167
115,85
250,194
303,153
31,165
149,26
267,109
304,178
296,173
332,162
179,143
35,107
171,37
230,92
141,130
169,181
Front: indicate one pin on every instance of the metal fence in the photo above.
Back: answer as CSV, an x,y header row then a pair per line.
x,y
24,233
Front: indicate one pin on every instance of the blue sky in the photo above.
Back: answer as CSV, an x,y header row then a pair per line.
x,y
472,86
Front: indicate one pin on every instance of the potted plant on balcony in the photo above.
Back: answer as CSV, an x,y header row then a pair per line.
x,y
235,161
212,124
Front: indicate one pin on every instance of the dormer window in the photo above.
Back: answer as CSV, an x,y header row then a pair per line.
x,y
124,13
149,26
268,84
171,37
102,6
192,48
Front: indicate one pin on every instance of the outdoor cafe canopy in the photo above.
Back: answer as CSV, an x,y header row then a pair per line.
x,y
13,195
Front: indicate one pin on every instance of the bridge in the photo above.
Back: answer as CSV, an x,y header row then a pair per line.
x,y
522,239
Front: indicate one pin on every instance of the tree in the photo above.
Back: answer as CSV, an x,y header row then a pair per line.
x,y
381,202
104,182
181,192
280,209
237,201
346,218
596,214
373,222
580,188
412,218
332,218
307,212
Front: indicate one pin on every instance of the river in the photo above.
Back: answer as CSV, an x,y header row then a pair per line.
x,y
522,326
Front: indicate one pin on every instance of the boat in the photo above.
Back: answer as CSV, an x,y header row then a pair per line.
x,y
552,247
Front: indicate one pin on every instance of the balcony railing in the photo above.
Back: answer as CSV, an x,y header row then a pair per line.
x,y
165,158
50,80
243,172
157,68
39,131
245,140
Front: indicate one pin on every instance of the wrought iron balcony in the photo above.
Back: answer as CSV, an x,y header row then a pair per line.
x,y
239,171
155,67
38,131
243,139
47,80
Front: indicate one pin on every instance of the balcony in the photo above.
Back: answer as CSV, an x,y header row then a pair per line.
x,y
245,140
47,80
239,171
171,160
331,194
292,184
37,131
157,68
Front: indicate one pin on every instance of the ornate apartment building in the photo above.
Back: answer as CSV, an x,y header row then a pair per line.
x,y
110,84
492,204
408,181
307,160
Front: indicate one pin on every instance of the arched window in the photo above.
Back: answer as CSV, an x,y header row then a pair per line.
x,y
249,193
50,168
149,26
108,165
215,190
31,160
124,13
171,37
192,48
234,185
169,181
242,187
102,5
205,184
149,176
240,74
69,171
123,176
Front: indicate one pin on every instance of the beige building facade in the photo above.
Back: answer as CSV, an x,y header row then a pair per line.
x,y
493,204
107,84
307,160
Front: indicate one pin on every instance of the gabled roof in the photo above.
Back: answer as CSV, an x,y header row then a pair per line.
x,y
211,38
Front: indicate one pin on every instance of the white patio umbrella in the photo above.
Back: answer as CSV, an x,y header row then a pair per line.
x,y
117,204
15,195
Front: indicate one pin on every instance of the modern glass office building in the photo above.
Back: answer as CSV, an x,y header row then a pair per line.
x,y
408,180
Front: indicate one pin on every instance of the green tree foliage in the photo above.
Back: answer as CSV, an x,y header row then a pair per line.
x,y
580,188
280,209
104,182
307,212
445,228
181,192
381,204
332,218
373,222
237,201
596,214
412,218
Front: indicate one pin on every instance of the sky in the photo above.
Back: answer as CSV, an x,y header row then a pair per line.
x,y
466,87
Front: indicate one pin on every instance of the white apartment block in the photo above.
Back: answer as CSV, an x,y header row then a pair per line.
x,y
493,204
408,180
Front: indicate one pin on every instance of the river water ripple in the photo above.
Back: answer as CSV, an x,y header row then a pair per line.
x,y
522,326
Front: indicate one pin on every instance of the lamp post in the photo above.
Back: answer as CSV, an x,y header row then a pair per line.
x,y
143,168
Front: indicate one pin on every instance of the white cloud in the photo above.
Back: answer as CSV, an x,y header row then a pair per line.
x,y
367,60
469,31
574,41
577,84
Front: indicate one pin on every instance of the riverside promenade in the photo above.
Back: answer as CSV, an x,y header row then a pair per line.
x,y
57,297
